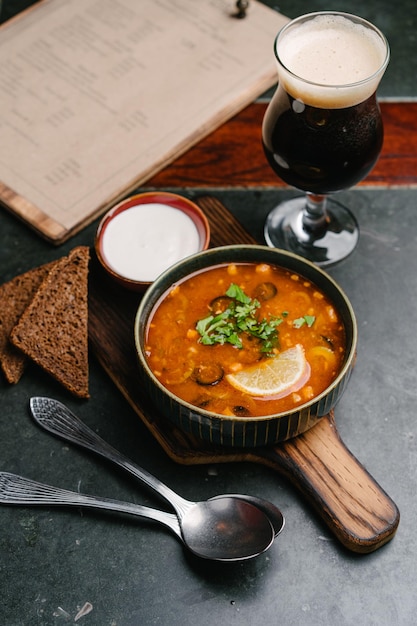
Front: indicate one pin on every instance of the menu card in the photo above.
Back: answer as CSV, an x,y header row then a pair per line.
x,y
96,96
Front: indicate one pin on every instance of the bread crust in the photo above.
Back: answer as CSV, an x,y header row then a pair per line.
x,y
15,296
53,329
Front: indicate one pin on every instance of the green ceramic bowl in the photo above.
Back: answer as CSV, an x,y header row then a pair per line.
x,y
235,431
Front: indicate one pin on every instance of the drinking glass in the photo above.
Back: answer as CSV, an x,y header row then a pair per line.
x,y
322,131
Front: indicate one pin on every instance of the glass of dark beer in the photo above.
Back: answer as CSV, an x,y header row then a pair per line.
x,y
322,131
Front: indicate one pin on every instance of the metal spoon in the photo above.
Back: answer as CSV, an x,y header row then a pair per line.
x,y
56,418
20,490
226,528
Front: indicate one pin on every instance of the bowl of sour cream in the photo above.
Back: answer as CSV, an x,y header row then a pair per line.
x,y
142,236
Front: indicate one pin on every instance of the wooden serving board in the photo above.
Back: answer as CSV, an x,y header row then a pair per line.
x,y
355,508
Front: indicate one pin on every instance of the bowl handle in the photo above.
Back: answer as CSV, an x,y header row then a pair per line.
x,y
350,501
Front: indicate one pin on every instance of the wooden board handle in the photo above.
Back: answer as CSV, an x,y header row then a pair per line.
x,y
353,505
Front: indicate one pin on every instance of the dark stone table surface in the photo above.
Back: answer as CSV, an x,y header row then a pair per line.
x,y
53,562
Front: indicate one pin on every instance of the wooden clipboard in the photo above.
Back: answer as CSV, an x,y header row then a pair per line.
x,y
95,98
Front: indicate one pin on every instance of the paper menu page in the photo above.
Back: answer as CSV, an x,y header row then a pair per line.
x,y
97,95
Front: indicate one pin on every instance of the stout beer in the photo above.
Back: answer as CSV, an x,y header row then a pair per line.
x,y
323,130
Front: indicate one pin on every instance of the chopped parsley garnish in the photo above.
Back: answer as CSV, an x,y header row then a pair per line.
x,y
239,317
302,321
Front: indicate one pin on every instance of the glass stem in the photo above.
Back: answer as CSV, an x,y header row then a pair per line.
x,y
314,215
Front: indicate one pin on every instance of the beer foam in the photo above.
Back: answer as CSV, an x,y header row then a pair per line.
x,y
341,61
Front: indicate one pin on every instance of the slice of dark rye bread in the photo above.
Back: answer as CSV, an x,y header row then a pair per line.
x,y
15,296
53,330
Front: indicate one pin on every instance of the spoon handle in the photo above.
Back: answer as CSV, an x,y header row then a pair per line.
x,y
56,418
16,489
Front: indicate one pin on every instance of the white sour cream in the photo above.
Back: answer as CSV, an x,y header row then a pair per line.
x,y
144,240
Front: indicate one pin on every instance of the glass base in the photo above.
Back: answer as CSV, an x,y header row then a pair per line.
x,y
338,237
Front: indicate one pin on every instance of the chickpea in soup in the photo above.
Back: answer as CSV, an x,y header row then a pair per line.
x,y
245,339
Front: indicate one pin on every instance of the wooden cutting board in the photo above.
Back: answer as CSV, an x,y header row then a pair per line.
x,y
355,508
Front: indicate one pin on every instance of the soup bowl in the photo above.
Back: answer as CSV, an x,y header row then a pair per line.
x,y
231,430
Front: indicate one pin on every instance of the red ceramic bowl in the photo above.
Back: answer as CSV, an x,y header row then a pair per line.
x,y
145,234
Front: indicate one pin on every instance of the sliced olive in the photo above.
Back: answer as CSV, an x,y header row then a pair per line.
x,y
241,411
251,349
265,291
220,304
328,341
203,403
207,374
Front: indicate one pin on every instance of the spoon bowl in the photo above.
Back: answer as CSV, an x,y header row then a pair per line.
x,y
275,516
225,528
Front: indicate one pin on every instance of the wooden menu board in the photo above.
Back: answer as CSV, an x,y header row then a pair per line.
x,y
96,96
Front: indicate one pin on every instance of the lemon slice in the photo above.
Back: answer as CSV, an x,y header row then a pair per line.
x,y
276,377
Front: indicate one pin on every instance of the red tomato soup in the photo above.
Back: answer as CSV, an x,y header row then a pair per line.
x,y
245,339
